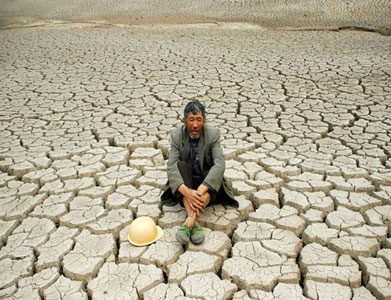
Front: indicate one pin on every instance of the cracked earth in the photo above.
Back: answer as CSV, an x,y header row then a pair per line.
x,y
86,116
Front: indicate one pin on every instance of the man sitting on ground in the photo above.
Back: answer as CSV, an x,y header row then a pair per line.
x,y
195,171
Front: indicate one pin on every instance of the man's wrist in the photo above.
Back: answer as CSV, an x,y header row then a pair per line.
x,y
208,187
202,189
182,189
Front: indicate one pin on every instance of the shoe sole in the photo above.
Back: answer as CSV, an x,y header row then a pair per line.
x,y
181,240
197,242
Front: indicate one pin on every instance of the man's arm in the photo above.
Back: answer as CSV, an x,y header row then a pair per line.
x,y
173,174
216,173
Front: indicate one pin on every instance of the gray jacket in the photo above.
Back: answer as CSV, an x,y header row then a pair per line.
x,y
211,161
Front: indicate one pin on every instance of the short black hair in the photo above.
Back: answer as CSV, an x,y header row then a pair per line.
x,y
194,107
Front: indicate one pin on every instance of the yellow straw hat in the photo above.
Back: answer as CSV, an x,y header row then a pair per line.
x,y
143,231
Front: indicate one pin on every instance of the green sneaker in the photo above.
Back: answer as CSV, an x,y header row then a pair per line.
x,y
197,234
183,234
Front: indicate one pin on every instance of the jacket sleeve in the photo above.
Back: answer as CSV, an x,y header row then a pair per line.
x,y
216,173
173,174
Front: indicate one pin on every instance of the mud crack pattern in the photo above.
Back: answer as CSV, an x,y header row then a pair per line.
x,y
86,116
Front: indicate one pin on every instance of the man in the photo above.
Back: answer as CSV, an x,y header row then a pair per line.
x,y
195,171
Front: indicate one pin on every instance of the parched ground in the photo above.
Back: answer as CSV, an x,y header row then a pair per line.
x,y
85,117
303,14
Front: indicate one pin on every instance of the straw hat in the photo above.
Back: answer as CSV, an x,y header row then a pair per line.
x,y
143,231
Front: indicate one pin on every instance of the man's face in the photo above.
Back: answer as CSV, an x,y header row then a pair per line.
x,y
194,124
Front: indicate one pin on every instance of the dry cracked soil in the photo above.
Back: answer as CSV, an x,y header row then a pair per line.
x,y
86,115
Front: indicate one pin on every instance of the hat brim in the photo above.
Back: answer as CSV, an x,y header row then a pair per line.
x,y
158,236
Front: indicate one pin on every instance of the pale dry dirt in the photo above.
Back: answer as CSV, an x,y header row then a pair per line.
x,y
86,111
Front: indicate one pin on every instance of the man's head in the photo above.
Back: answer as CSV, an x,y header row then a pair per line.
x,y
194,114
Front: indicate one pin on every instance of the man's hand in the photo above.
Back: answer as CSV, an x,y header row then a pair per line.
x,y
202,189
195,200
